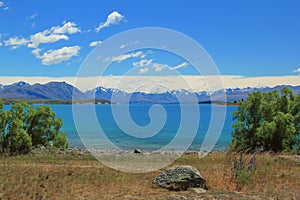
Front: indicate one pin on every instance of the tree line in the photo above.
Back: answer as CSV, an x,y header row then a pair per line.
x,y
24,127
267,121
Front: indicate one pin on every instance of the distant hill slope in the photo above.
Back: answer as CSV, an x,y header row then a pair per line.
x,y
51,90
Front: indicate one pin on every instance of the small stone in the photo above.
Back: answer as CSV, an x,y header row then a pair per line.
x,y
176,197
199,190
137,151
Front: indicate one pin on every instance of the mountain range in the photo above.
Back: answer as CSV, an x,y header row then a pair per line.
x,y
51,90
65,91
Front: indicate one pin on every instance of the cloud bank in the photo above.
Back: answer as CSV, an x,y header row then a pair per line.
x,y
150,84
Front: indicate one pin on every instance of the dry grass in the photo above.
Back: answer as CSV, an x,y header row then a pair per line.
x,y
45,176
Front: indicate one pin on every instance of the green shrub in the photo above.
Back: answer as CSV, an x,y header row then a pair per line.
x,y
60,141
242,170
23,127
267,120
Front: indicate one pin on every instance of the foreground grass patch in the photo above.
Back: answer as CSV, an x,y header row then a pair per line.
x,y
65,176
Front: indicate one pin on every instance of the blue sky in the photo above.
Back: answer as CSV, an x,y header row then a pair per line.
x,y
246,38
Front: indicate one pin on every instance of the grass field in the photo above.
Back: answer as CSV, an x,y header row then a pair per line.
x,y
80,176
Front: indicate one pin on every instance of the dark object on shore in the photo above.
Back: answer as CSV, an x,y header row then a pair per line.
x,y
137,151
179,178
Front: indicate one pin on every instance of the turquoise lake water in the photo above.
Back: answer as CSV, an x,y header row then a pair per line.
x,y
140,115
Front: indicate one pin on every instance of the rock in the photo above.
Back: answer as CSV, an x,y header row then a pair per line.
x,y
42,147
176,197
137,151
199,190
180,178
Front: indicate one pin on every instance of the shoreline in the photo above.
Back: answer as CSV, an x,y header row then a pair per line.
x,y
10,101
118,152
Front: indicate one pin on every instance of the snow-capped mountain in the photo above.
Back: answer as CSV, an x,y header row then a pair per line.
x,y
65,91
176,96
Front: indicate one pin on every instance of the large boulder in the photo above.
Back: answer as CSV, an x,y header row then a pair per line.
x,y
179,178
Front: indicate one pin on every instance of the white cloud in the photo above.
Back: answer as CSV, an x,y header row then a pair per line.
x,y
68,27
53,34
191,83
95,43
57,56
127,56
143,70
158,67
113,18
36,52
32,16
15,42
0,44
2,4
297,70
33,25
129,44
182,65
142,63
44,38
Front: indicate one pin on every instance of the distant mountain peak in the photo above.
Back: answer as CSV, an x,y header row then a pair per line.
x,y
20,83
173,96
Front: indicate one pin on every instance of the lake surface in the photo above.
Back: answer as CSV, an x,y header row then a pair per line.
x,y
140,115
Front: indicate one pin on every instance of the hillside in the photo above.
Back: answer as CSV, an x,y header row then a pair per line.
x,y
51,90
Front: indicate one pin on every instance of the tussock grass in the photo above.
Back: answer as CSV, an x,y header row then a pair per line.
x,y
67,176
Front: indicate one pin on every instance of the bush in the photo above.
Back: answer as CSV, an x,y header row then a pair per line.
x,y
23,127
267,120
242,171
18,141
60,141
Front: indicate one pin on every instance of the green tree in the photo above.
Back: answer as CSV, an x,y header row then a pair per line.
x,y
24,126
247,121
42,125
14,138
269,120
17,140
295,111
279,134
3,125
